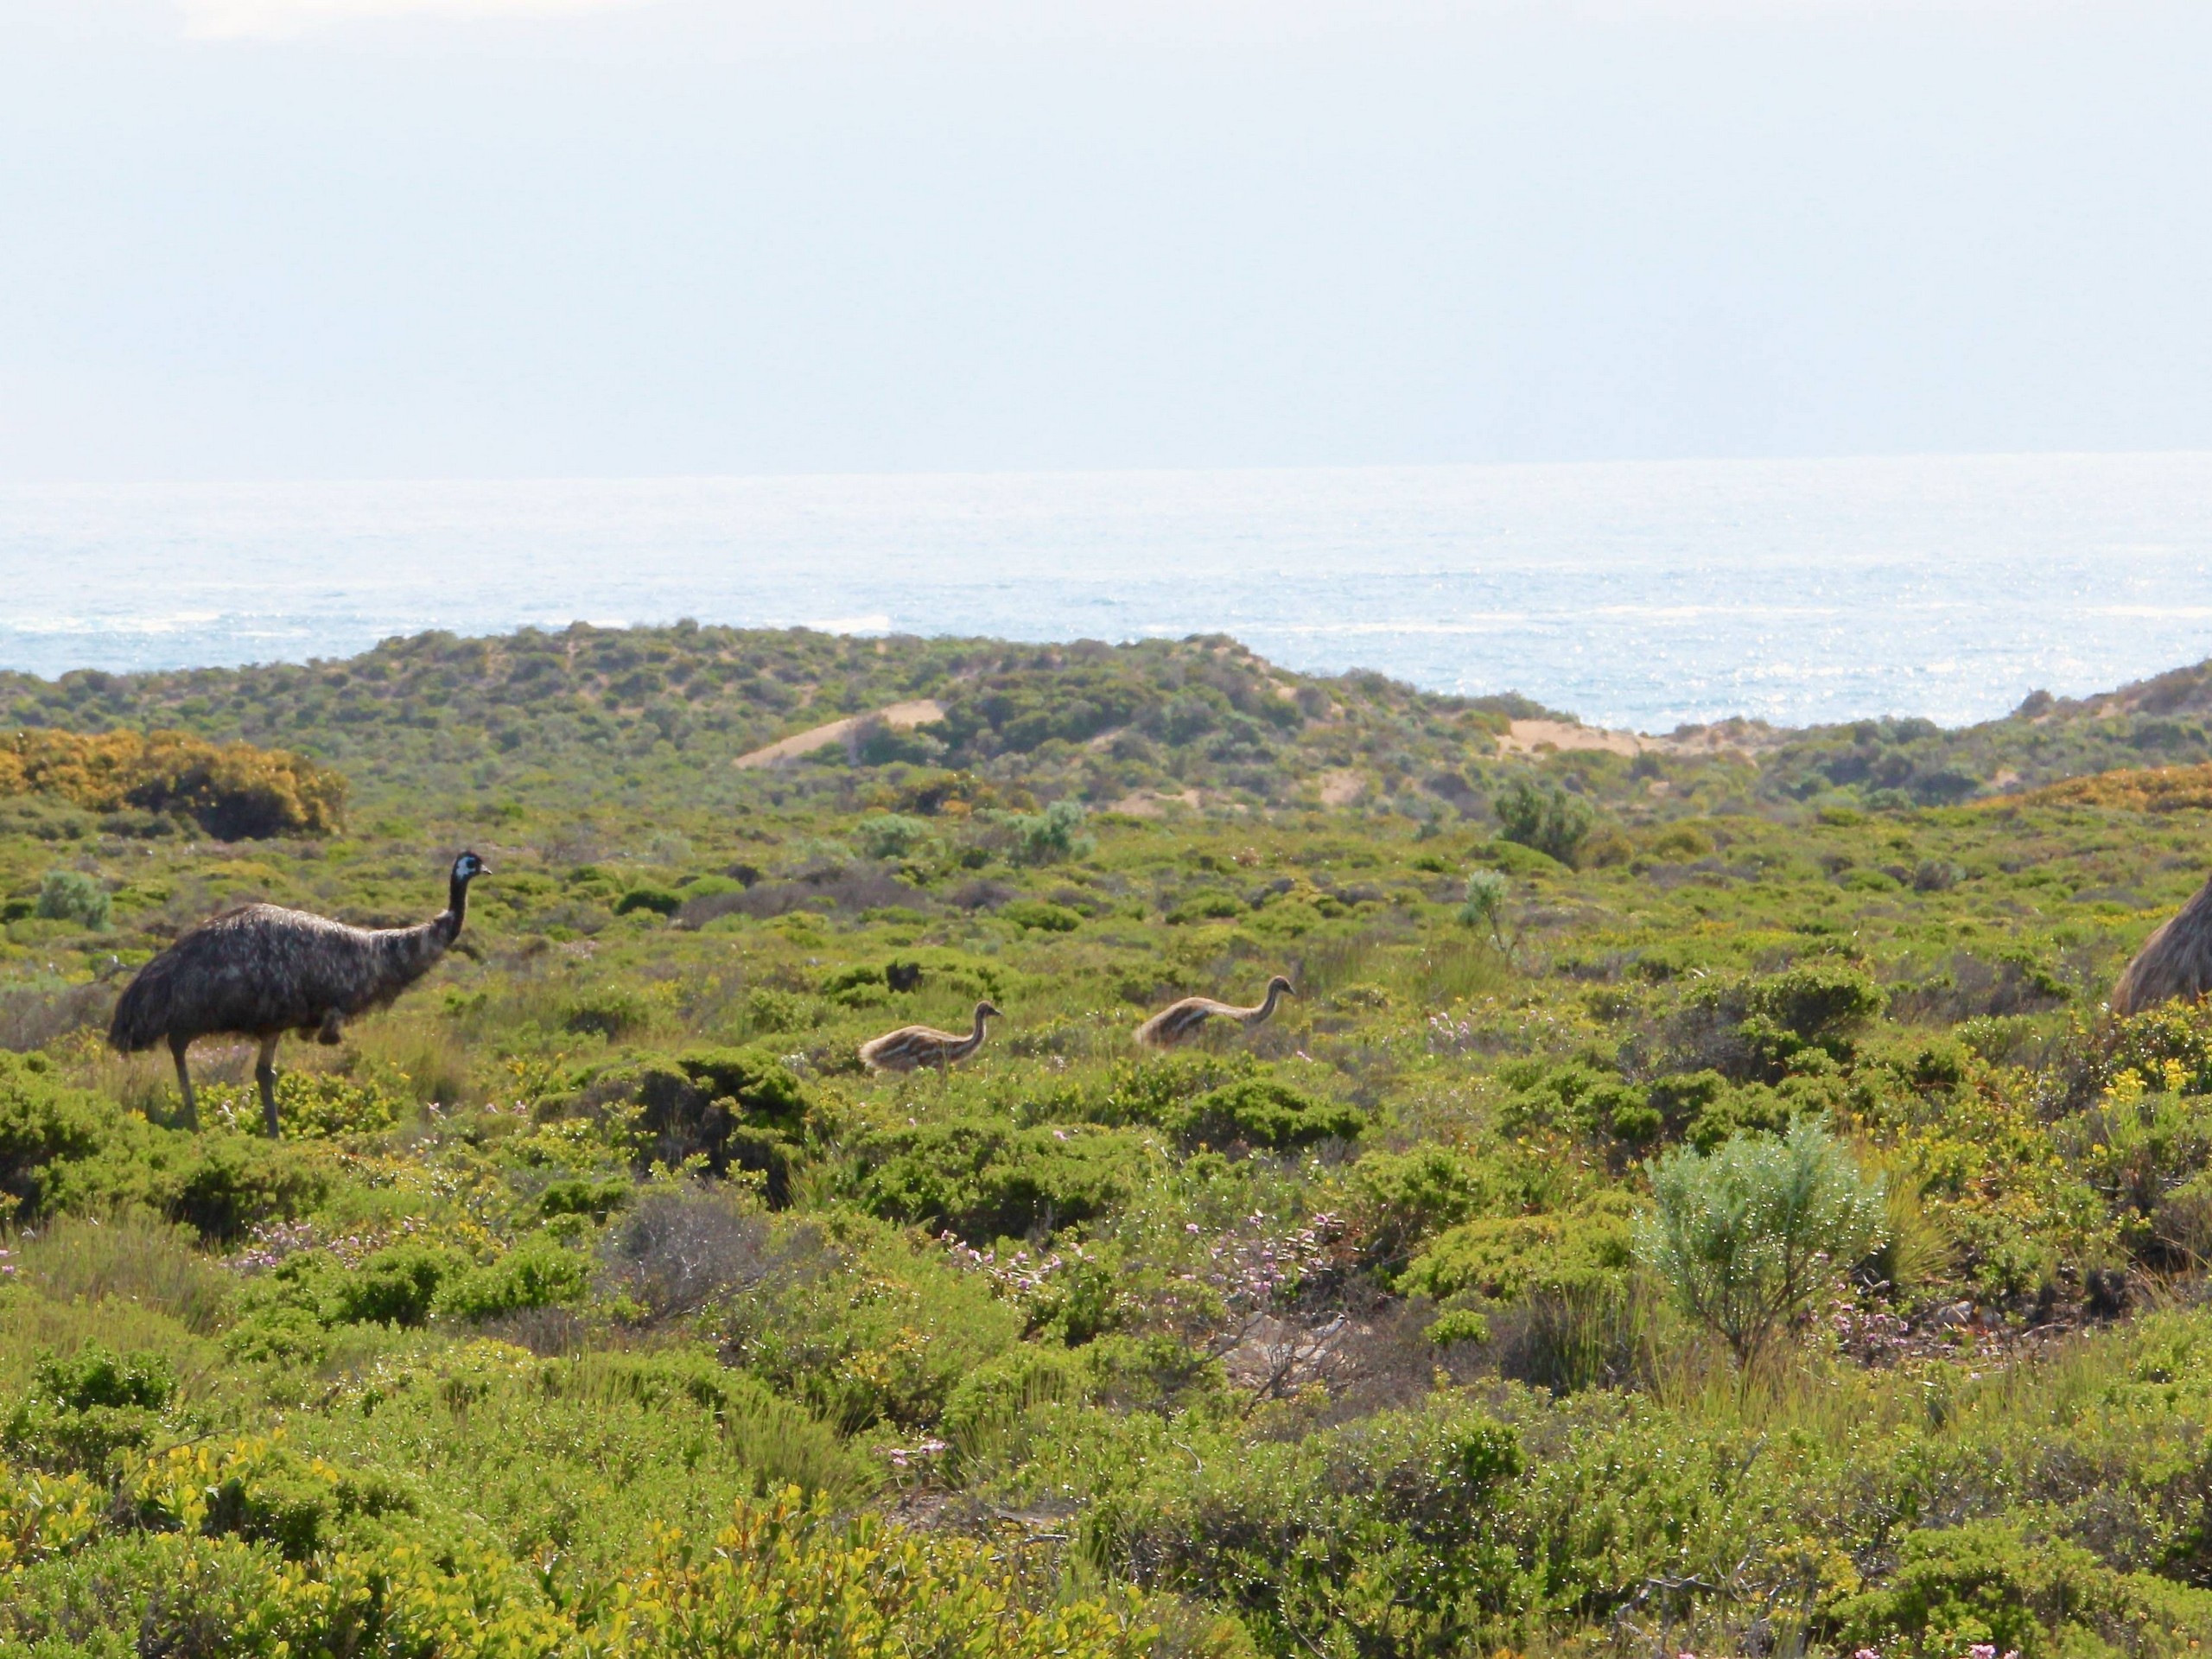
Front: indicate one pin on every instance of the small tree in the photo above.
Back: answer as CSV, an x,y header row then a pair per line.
x,y
1749,1235
1484,906
72,896
1547,818
891,835
1048,837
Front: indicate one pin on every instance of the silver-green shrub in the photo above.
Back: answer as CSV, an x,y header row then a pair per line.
x,y
1749,1235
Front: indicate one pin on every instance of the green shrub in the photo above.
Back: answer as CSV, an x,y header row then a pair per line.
x,y
65,1149
858,985
1394,1201
73,896
223,1185
769,1011
397,1285
1578,1099
613,1011
83,1409
316,1105
762,1085
1748,1237
1037,916
1986,1584
1543,817
286,1311
1261,1112
1507,1258
984,1178
537,1273
984,1404
597,1199
1208,905
1759,1029
44,1123
890,1353
1380,1537
736,1108
1049,836
892,836
661,901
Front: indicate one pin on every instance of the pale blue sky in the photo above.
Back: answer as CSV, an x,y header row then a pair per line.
x,y
246,238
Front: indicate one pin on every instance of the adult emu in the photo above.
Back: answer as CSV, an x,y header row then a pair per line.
x,y
2175,961
262,970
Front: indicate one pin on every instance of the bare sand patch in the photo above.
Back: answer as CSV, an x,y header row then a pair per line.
x,y
1749,738
904,715
1342,788
1528,735
1154,804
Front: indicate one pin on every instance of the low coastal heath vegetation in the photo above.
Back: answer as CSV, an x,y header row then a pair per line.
x,y
1696,1201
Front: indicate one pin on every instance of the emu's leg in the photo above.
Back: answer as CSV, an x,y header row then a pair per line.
x,y
178,1044
264,1073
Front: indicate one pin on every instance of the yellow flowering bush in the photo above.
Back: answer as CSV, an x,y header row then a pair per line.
x,y
233,790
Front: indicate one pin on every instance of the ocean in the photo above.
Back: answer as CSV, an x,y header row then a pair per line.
x,y
1642,594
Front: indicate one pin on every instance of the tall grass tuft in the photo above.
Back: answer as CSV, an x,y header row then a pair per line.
x,y
133,1256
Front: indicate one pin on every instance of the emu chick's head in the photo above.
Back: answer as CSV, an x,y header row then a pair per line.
x,y
987,1011
469,867
1279,983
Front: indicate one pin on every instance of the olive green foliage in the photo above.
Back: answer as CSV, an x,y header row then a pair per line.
x,y
597,1295
1506,1259
1543,817
1987,1584
63,1148
891,835
81,1411
72,896
1261,1112
1047,836
986,1180
1749,1235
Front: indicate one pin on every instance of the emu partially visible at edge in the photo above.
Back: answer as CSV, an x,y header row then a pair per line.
x,y
2175,963
262,970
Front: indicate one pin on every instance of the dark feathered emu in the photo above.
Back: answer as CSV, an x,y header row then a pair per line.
x,y
262,970
2175,963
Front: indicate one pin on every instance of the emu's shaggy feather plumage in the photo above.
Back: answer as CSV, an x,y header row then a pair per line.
x,y
1180,1021
262,970
911,1047
2175,963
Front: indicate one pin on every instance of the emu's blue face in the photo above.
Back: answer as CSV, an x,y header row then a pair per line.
x,y
469,867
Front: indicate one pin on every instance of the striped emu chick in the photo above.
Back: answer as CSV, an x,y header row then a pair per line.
x,y
1179,1022
261,970
2174,963
912,1047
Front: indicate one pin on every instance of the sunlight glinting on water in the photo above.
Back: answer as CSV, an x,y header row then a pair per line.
x,y
1642,595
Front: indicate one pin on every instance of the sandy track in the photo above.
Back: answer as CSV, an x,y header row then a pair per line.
x,y
901,715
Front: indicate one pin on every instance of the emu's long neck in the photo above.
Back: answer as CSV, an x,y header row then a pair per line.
x,y
1267,1009
409,953
972,1041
